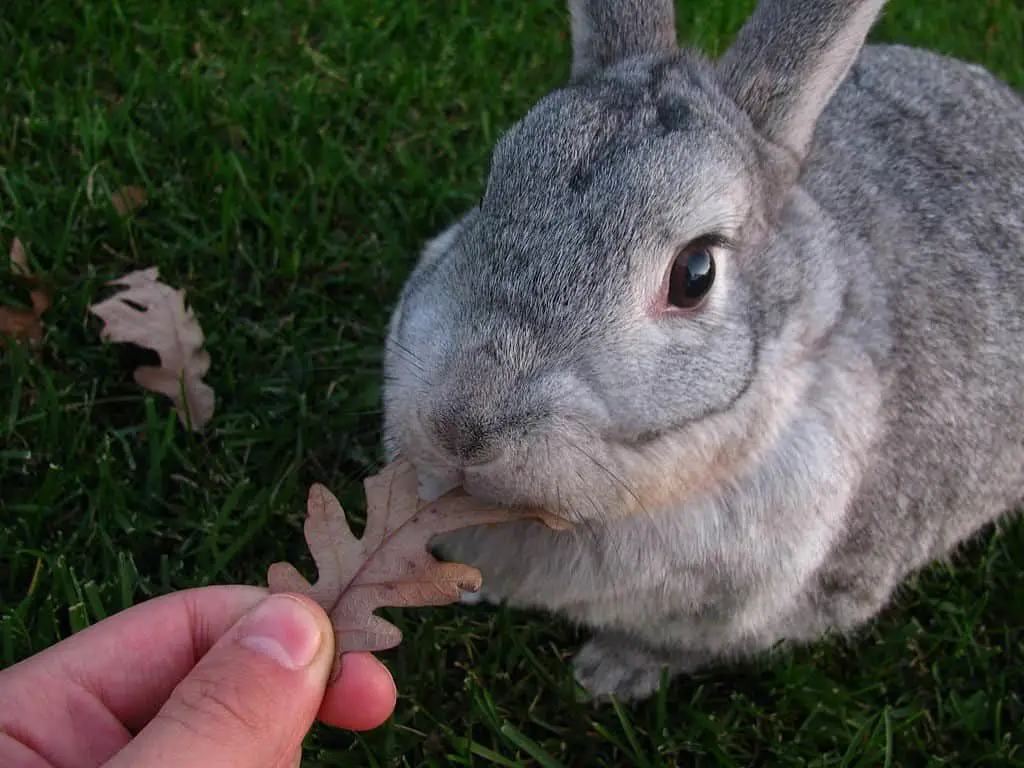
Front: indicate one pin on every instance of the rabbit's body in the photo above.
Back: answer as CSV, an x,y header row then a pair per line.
x,y
844,408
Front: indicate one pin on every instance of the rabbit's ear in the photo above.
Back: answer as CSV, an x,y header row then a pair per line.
x,y
606,31
788,60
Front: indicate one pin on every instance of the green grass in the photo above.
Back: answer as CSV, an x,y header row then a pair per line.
x,y
296,155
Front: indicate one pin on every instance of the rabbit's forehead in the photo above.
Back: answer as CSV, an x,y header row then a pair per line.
x,y
627,159
588,197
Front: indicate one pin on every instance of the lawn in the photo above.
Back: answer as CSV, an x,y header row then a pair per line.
x,y
295,155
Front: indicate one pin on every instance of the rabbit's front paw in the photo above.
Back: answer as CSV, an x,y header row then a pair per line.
x,y
612,665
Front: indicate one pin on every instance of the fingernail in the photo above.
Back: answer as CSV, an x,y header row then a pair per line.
x,y
283,629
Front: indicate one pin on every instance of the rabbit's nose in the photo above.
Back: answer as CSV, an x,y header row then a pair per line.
x,y
471,438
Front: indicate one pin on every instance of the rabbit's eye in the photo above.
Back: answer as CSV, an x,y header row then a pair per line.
x,y
693,273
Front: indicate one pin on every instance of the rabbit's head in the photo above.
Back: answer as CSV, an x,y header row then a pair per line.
x,y
615,326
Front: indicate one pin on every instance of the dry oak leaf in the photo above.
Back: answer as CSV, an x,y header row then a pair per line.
x,y
24,324
166,326
390,566
127,200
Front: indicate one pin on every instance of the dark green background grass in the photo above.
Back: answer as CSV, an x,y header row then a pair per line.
x,y
295,156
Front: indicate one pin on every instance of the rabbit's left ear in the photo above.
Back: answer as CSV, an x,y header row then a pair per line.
x,y
788,60
606,31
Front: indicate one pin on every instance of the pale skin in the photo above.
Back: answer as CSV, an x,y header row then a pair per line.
x,y
223,677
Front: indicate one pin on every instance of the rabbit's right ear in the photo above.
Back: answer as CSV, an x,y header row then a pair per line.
x,y
606,31
788,60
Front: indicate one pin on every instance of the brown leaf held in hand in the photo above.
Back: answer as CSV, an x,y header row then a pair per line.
x,y
24,324
166,326
391,565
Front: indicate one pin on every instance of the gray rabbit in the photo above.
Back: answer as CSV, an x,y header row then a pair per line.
x,y
754,325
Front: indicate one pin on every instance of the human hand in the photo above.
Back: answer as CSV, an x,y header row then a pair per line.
x,y
215,677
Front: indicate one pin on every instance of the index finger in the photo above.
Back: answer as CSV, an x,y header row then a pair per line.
x,y
133,660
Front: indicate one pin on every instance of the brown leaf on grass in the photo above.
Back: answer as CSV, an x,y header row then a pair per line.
x,y
153,315
19,259
128,199
24,324
390,566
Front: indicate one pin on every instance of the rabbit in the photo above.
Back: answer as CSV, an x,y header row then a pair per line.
x,y
753,326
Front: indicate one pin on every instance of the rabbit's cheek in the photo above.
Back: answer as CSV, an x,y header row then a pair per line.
x,y
679,469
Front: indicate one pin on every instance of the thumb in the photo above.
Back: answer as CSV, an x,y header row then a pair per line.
x,y
250,700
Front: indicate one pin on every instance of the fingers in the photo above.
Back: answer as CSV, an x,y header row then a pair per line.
x,y
14,754
132,660
362,697
251,699
79,700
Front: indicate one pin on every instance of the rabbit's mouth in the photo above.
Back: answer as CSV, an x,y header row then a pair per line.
x,y
435,484
436,481
550,460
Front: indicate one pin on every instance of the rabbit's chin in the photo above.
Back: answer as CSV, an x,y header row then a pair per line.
x,y
433,484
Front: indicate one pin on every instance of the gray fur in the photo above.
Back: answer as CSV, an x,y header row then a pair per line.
x,y
788,60
846,408
605,33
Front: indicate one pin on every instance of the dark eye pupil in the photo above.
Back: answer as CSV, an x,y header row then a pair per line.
x,y
693,272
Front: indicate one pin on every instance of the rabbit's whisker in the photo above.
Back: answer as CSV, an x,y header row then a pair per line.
x,y
614,477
